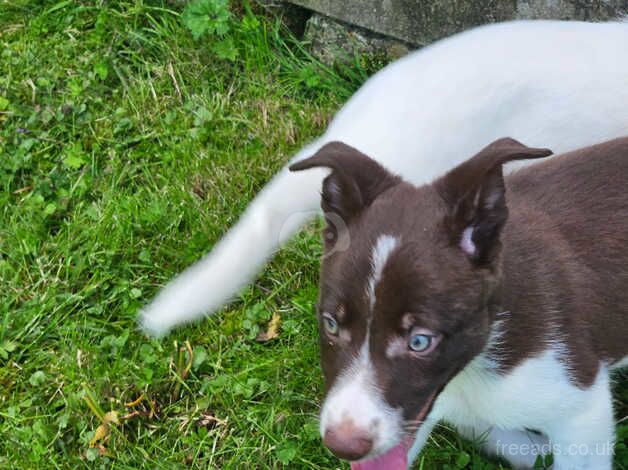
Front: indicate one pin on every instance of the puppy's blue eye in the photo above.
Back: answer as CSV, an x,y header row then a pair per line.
x,y
330,324
420,343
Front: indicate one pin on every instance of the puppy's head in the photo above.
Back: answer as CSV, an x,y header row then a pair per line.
x,y
404,308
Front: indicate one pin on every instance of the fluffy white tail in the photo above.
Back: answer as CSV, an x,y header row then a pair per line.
x,y
283,206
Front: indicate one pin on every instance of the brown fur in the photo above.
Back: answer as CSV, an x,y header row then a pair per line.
x,y
567,243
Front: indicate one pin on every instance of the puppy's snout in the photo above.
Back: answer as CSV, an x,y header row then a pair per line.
x,y
347,441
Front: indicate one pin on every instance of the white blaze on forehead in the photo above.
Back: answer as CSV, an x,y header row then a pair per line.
x,y
355,395
379,257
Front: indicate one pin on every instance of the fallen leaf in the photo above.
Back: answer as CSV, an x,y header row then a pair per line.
x,y
102,433
135,402
111,417
272,331
22,190
209,421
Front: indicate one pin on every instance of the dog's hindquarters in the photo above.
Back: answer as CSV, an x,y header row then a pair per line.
x,y
285,204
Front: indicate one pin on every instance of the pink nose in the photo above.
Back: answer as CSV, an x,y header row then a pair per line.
x,y
348,441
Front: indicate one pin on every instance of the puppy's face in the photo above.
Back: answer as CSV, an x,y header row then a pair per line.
x,y
405,307
400,313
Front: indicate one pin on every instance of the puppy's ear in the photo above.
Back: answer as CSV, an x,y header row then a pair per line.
x,y
475,196
354,182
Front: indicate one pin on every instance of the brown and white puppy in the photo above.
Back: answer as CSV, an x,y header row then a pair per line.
x,y
499,313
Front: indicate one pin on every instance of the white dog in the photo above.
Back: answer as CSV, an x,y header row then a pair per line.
x,y
562,85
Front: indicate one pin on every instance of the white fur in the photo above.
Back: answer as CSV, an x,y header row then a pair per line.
x,y
577,424
355,397
551,84
520,447
384,246
620,364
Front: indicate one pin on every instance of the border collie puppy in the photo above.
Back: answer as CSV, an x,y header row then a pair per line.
x,y
497,305
561,84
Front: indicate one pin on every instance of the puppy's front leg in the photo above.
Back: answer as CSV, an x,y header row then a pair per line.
x,y
421,438
520,447
583,439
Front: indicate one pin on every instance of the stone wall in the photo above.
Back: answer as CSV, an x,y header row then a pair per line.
x,y
340,28
420,22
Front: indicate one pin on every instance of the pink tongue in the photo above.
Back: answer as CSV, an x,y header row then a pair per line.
x,y
395,459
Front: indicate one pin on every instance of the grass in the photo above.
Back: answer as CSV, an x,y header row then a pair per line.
x,y
127,148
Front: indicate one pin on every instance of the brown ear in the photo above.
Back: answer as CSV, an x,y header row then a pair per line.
x,y
475,195
354,182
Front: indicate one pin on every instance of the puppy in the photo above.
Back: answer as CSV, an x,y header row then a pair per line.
x,y
497,305
561,84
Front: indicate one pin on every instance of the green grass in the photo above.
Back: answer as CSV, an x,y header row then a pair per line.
x,y
127,148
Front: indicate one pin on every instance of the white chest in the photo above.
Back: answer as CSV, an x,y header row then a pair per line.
x,y
534,395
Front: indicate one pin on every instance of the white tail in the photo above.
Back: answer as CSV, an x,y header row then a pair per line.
x,y
285,205
560,85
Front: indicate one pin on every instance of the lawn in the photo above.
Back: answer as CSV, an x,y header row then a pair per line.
x,y
132,135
